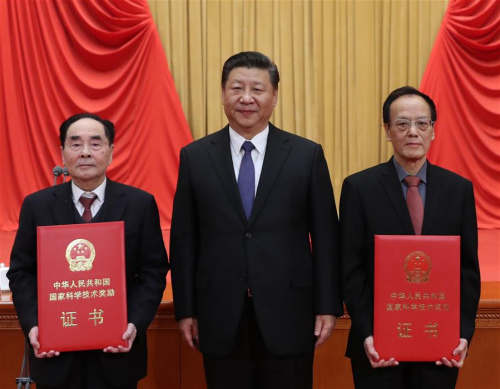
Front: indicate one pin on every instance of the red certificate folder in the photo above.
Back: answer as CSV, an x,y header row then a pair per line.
x,y
417,297
81,286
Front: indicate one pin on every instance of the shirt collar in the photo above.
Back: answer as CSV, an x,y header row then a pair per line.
x,y
259,141
422,173
99,191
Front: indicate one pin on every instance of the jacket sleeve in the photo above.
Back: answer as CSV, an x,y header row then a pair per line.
x,y
325,239
184,243
151,271
357,289
470,280
22,273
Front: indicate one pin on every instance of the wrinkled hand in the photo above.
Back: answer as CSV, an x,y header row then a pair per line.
x,y
189,331
460,350
33,336
129,335
323,328
373,356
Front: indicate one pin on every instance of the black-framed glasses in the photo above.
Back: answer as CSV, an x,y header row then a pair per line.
x,y
405,124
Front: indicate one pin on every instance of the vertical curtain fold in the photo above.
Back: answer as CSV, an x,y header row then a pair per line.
x,y
59,58
463,77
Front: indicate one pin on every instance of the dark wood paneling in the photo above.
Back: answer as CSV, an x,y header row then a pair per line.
x,y
192,373
331,368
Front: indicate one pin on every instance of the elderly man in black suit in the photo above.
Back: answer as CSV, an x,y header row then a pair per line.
x,y
254,246
373,202
87,150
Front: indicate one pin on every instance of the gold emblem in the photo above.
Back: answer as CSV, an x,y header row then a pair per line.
x,y
418,267
80,255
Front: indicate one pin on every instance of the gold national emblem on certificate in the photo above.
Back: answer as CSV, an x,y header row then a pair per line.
x,y
80,255
417,267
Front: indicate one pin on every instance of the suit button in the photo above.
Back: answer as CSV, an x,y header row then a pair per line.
x,y
248,235
243,276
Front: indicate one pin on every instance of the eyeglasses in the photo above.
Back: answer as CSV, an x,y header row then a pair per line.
x,y
405,124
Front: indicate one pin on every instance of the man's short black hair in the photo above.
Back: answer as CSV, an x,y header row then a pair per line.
x,y
251,59
403,91
109,127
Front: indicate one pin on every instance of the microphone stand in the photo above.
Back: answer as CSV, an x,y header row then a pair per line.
x,y
58,170
24,380
65,173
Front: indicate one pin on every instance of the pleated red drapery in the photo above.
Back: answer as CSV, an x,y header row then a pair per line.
x,y
59,58
463,78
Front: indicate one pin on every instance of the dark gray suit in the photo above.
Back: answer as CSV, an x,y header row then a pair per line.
x,y
146,268
216,254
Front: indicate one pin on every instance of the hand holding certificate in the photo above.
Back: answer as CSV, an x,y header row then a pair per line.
x,y
81,287
417,297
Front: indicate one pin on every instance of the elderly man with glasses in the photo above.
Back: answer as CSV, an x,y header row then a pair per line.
x,y
373,202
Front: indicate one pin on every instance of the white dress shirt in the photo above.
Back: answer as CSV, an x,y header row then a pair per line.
x,y
258,153
96,205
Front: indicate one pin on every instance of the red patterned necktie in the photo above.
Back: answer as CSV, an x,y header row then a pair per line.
x,y
415,203
87,202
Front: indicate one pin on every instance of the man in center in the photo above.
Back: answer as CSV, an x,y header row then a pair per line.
x,y
254,241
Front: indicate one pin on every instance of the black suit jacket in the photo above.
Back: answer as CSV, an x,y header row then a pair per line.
x,y
216,253
372,202
146,268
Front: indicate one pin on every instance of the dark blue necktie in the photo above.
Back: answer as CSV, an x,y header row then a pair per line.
x,y
246,178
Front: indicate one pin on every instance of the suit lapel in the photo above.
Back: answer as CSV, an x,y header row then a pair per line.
x,y
392,187
63,210
114,202
432,197
277,150
61,206
220,155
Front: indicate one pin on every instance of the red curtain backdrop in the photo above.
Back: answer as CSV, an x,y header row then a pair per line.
x,y
59,58
463,78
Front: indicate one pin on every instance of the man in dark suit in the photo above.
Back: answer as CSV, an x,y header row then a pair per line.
x,y
254,246
87,150
373,202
